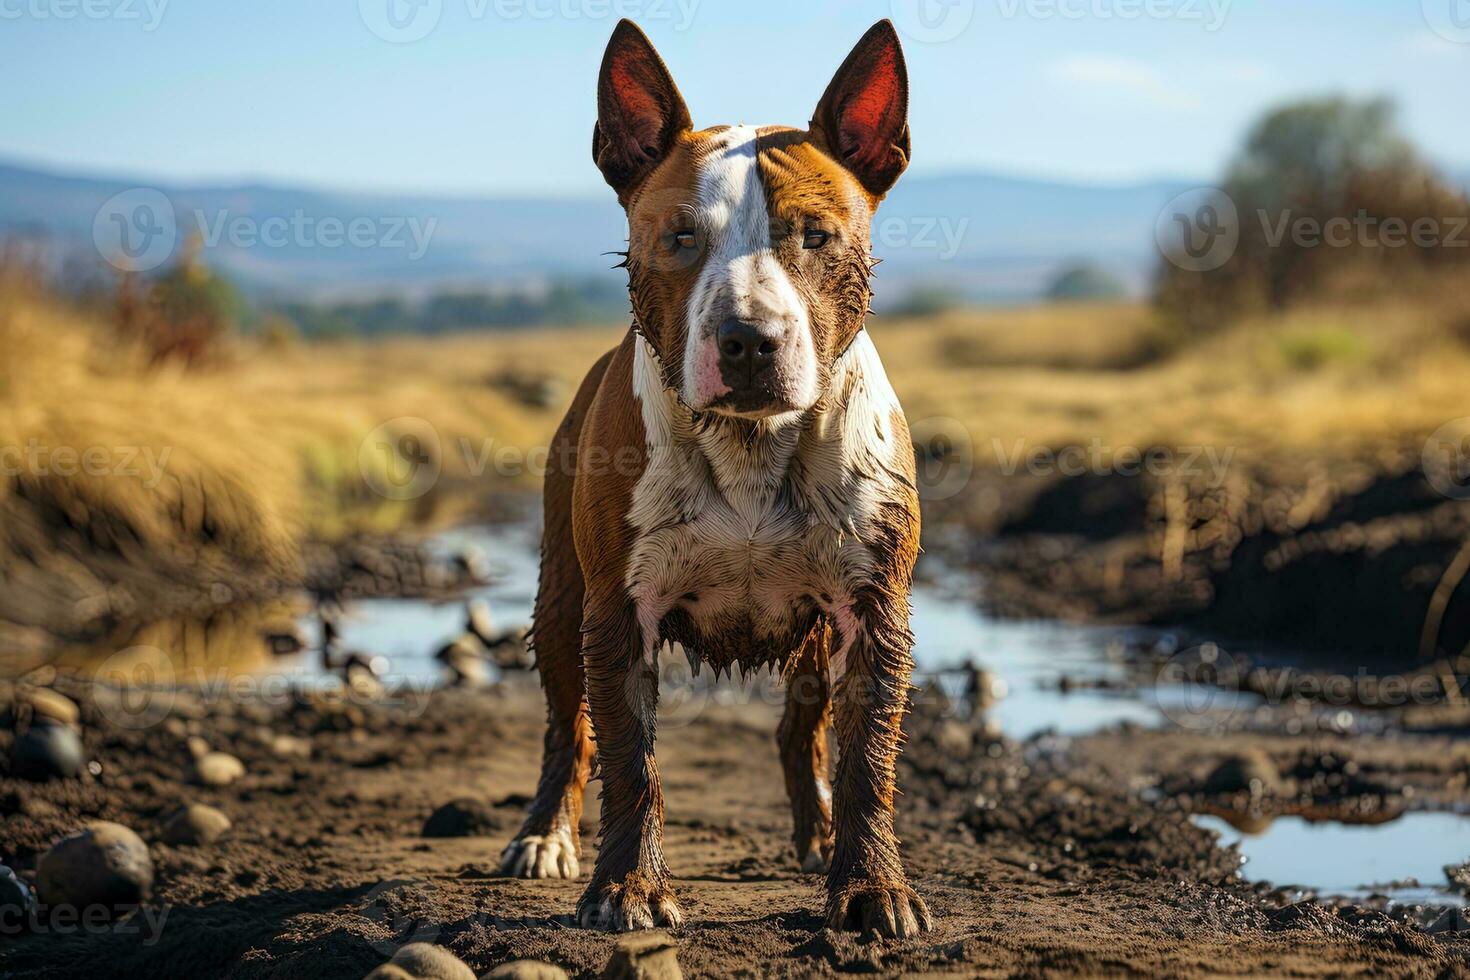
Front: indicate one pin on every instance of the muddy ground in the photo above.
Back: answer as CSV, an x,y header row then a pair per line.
x,y
1050,857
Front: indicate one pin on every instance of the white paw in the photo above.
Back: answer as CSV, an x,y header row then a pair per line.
x,y
535,856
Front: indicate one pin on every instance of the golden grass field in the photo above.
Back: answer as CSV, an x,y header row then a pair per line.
x,y
269,442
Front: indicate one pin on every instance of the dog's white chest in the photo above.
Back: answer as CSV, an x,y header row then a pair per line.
x,y
744,543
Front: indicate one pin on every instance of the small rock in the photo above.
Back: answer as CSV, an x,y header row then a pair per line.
x,y
389,972
104,864
195,824
198,747
650,955
48,704
429,962
1251,771
462,818
45,751
1458,875
290,747
477,620
218,769
17,901
526,970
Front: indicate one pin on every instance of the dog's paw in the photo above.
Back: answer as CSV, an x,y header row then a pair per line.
x,y
553,855
887,911
629,906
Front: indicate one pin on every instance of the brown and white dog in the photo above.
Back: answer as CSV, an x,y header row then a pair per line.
x,y
741,481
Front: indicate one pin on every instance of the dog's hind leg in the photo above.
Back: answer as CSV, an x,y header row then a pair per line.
x,y
802,739
549,843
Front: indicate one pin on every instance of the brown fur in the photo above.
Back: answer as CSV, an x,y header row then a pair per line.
x,y
588,637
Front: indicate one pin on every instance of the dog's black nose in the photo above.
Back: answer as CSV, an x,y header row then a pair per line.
x,y
745,350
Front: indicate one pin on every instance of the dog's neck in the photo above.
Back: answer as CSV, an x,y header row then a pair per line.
x,y
816,452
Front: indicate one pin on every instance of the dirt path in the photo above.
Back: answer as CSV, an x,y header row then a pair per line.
x,y
1035,859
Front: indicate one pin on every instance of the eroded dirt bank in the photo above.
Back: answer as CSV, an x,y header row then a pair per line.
x,y
1051,857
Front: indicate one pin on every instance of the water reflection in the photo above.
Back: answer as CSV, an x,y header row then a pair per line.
x,y
1403,858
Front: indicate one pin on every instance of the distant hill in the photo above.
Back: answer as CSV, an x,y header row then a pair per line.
x,y
983,236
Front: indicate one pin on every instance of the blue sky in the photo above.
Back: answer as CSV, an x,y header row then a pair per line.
x,y
498,95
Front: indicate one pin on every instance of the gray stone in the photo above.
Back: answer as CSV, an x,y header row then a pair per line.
x,y
195,824
429,962
17,901
104,864
45,751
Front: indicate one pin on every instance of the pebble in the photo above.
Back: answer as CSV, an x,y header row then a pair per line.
x,y
17,901
290,747
198,747
478,619
103,864
45,751
526,970
429,962
48,704
1250,771
218,769
195,824
462,818
389,972
650,955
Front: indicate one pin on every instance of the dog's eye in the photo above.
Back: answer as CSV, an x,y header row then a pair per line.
x,y
815,238
684,239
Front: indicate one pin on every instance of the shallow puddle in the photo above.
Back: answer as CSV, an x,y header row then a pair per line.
x,y
949,630
1356,861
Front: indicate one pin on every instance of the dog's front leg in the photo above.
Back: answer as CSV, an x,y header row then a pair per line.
x,y
867,890
630,885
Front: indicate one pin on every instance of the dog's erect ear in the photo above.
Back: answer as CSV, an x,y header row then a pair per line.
x,y
639,110
864,115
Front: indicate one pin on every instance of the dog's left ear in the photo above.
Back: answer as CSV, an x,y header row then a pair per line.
x,y
863,116
639,110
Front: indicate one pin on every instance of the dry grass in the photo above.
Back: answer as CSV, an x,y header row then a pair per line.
x,y
266,450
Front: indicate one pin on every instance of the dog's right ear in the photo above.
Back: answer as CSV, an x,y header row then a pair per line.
x,y
639,110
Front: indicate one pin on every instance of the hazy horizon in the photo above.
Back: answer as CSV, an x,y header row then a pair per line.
x,y
496,98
